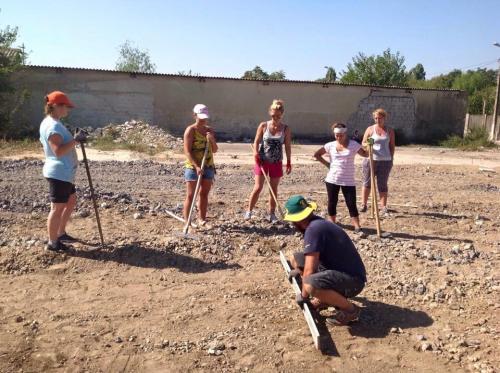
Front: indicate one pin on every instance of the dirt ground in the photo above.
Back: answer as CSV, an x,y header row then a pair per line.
x,y
152,301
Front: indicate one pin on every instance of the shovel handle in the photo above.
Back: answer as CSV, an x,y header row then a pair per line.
x,y
92,194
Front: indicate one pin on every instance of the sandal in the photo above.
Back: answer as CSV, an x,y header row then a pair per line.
x,y
342,318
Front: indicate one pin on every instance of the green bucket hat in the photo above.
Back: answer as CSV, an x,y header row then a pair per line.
x,y
297,208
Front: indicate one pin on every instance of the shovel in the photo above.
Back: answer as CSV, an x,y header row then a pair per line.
x,y
196,191
374,206
92,195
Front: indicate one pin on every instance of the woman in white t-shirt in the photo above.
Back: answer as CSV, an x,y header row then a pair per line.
x,y
341,172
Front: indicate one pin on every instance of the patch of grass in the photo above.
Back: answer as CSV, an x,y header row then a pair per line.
x,y
11,147
476,139
135,143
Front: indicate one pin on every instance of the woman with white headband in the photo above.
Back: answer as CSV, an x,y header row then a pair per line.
x,y
341,172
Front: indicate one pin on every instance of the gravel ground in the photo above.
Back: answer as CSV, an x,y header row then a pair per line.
x,y
154,301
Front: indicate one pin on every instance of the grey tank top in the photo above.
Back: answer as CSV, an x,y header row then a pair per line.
x,y
271,146
381,150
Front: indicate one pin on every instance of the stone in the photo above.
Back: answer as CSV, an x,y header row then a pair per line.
x,y
420,289
83,213
137,215
425,346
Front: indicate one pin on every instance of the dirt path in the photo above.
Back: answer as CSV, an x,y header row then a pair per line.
x,y
154,302
239,153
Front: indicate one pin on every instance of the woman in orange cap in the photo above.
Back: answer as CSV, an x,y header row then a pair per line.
x,y
59,168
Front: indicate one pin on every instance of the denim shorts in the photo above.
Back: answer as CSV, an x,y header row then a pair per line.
x,y
330,279
191,175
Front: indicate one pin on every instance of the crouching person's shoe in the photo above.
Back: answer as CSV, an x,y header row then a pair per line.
x,y
342,318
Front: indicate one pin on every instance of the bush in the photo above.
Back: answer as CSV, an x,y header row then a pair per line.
x,y
476,139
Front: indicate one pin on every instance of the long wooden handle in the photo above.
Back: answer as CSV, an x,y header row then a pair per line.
x,y
92,195
374,191
197,189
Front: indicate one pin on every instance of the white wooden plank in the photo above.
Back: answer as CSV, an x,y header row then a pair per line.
x,y
306,311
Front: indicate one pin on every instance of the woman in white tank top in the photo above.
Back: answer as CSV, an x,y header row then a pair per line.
x,y
384,145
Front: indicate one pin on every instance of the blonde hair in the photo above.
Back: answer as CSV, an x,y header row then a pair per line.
x,y
277,105
381,112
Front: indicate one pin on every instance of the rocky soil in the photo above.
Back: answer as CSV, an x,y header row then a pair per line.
x,y
152,300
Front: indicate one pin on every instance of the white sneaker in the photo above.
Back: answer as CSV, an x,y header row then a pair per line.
x,y
273,218
248,215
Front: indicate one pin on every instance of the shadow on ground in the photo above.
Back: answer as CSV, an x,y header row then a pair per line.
x,y
262,230
408,236
377,319
138,255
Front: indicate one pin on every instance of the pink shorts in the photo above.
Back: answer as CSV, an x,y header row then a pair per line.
x,y
274,170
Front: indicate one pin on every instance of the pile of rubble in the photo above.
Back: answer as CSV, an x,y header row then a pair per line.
x,y
139,132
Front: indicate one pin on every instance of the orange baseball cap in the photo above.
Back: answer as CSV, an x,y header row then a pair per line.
x,y
58,98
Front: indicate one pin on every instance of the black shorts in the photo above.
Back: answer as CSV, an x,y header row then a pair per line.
x,y
330,279
59,191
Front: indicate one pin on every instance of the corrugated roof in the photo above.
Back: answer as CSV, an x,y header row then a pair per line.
x,y
239,79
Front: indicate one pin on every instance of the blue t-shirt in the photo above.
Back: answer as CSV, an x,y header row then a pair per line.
x,y
336,250
60,168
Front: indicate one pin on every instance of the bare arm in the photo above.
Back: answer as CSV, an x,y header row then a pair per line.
x,y
212,140
57,146
310,267
258,138
188,144
392,142
288,144
362,152
319,156
367,134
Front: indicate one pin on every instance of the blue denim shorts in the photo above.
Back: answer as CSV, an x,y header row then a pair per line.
x,y
191,175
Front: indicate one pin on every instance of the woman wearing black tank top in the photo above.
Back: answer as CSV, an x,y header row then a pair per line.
x,y
268,155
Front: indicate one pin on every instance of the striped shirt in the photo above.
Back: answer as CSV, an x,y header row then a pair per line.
x,y
341,164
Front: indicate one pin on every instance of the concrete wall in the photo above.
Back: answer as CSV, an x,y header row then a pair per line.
x,y
237,106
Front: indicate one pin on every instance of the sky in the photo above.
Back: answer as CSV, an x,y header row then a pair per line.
x,y
228,37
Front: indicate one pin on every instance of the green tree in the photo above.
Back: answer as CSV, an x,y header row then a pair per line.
x,y
277,75
258,73
331,75
384,69
11,98
480,85
418,72
132,59
473,81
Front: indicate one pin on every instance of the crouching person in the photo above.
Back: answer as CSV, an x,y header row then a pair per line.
x,y
332,270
